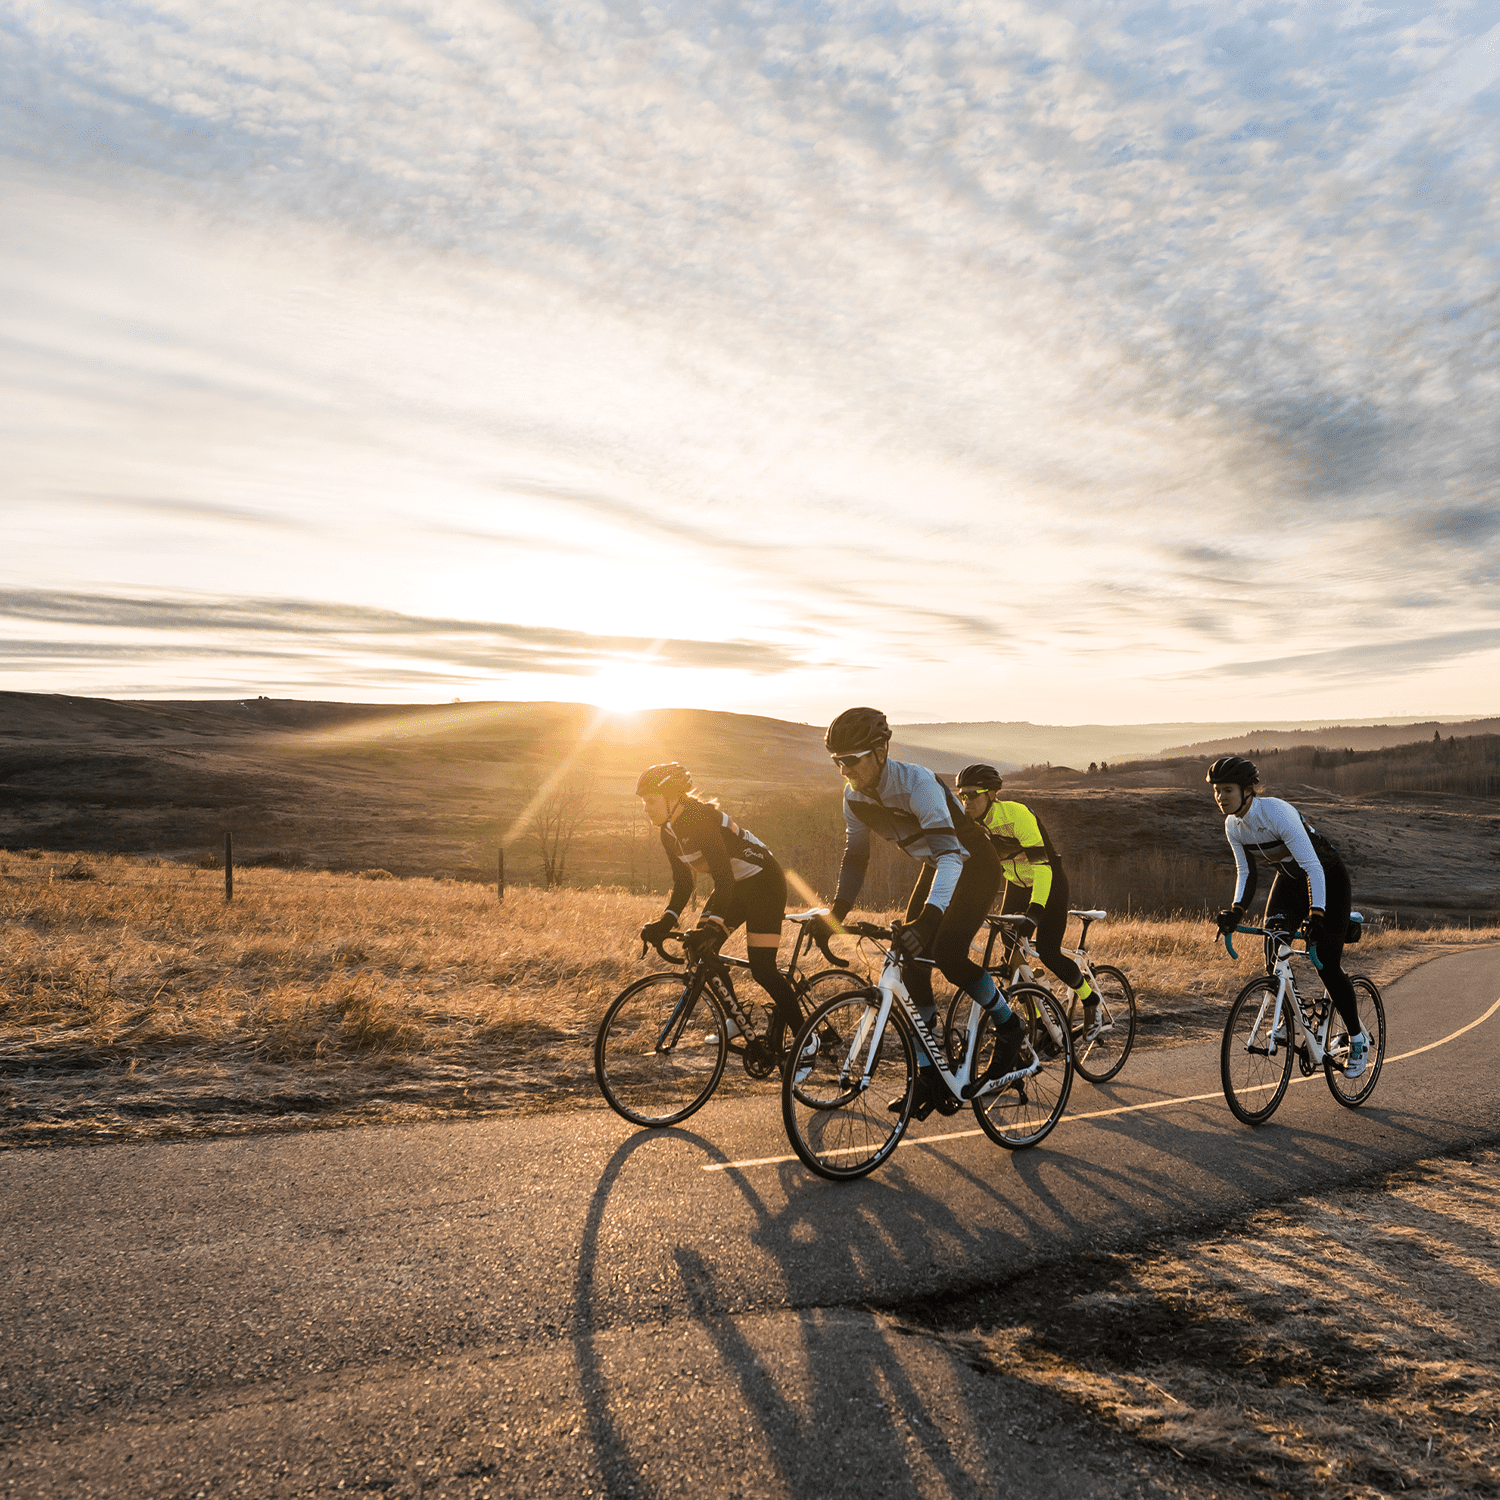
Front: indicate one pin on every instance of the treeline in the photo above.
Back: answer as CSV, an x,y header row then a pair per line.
x,y
807,836
1468,767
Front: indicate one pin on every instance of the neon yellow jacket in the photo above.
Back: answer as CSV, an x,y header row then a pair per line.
x,y
1025,851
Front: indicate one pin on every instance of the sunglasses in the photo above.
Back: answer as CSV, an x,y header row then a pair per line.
x,y
848,762
971,794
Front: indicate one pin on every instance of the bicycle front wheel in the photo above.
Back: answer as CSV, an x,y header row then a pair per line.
x,y
1101,1058
661,1050
845,1071
1254,1076
1024,1113
1352,1092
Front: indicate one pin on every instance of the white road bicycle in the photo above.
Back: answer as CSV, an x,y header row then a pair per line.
x,y
857,1057
1269,1024
1097,1058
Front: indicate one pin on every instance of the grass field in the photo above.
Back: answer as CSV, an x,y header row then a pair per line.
x,y
135,1002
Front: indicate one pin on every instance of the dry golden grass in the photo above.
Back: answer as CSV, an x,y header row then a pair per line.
x,y
1347,1345
134,1001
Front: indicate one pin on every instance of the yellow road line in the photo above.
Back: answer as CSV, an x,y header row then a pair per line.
x,y
1124,1109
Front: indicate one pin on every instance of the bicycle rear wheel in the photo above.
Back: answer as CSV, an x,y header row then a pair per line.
x,y
661,1049
1254,1077
1024,1113
1100,1059
834,1096
1352,1092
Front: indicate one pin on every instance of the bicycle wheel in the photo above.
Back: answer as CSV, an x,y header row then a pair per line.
x,y
661,1050
834,1097
1352,1092
1023,1113
1100,1059
1254,1078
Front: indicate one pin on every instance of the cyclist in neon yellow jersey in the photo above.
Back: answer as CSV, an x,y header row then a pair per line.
x,y
1034,880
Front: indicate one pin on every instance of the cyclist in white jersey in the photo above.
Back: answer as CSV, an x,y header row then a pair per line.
x,y
955,888
1311,883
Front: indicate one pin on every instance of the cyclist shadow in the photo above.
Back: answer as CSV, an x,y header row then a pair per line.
x,y
800,1374
888,1236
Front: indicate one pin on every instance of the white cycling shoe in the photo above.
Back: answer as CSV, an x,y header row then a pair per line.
x,y
1359,1056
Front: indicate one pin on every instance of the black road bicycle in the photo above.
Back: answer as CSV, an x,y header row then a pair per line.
x,y
665,1040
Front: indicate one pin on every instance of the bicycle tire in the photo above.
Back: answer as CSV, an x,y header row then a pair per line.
x,y
1101,1059
836,1120
648,1085
1352,1092
1246,1073
1025,1113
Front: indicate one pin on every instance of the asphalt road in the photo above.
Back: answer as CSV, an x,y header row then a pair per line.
x,y
563,1305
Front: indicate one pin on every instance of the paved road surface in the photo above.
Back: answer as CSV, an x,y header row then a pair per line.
x,y
564,1305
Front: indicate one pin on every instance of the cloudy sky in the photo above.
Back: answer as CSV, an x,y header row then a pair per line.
x,y
1063,362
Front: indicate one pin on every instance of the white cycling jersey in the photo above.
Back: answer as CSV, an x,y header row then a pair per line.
x,y
1281,836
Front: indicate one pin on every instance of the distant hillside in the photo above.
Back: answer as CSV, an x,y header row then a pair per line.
x,y
440,789
1012,745
1339,737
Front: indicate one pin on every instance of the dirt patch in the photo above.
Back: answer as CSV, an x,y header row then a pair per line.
x,y
1342,1345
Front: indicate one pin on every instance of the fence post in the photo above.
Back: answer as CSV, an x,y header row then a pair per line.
x,y
228,866
500,877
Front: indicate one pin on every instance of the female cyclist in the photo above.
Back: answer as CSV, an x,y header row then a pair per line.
x,y
960,877
1311,882
749,886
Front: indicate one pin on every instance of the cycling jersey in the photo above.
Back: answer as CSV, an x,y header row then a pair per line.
x,y
1281,836
913,810
1026,853
704,839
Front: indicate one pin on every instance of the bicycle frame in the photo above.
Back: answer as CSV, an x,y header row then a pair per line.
x,y
1023,972
713,972
893,994
1316,1042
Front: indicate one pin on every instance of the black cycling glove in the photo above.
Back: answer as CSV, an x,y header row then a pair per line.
x,y
659,930
1228,920
915,938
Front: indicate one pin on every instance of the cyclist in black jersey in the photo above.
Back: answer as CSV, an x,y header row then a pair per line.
x,y
959,880
749,886
1311,883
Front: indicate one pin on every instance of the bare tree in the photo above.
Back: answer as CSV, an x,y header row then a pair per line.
x,y
555,816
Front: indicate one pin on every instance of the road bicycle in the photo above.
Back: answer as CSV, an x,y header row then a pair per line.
x,y
1269,1024
1098,1057
663,1044
847,1098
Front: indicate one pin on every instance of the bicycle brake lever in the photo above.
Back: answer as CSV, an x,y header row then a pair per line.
x,y
822,941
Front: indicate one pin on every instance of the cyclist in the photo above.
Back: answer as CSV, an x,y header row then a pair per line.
x,y
749,886
960,876
1034,880
1310,884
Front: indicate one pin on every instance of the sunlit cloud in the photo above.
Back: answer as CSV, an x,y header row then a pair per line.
x,y
1093,360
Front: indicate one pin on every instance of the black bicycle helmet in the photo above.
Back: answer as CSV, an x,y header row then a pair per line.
x,y
669,779
1233,768
981,775
856,730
